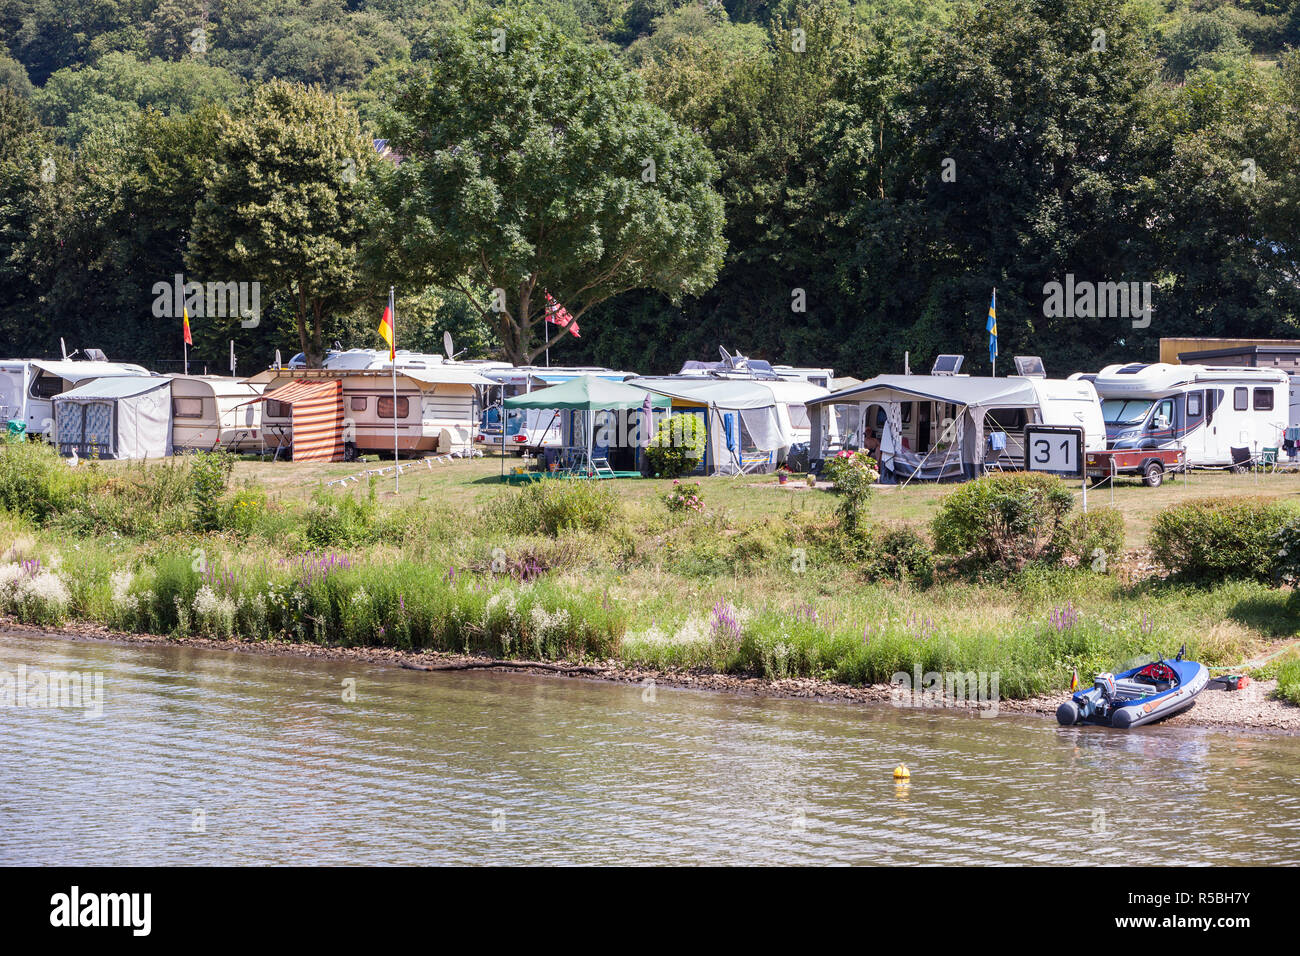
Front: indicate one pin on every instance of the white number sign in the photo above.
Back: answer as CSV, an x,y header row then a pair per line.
x,y
1055,449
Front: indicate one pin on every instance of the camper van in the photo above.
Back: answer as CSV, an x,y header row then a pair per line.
x,y
436,408
28,385
213,411
1206,410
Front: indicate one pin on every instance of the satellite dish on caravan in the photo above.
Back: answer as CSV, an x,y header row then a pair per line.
x,y
447,347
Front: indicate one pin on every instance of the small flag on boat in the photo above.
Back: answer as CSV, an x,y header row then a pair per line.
x,y
1074,680
386,331
186,326
992,326
559,315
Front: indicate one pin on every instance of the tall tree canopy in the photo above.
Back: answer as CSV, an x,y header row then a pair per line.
x,y
284,205
532,163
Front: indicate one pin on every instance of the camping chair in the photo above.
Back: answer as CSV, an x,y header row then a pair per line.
x,y
1241,458
1268,459
997,444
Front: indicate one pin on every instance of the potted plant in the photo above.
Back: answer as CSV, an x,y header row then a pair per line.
x,y
811,479
782,476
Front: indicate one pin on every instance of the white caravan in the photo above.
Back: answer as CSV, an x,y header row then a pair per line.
x,y
1207,410
27,386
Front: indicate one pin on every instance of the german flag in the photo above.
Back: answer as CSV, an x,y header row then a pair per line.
x,y
387,332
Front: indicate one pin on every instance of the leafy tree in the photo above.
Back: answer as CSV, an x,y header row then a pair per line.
x,y
542,168
81,99
284,205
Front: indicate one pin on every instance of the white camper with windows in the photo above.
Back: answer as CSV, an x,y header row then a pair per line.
x,y
27,386
1221,416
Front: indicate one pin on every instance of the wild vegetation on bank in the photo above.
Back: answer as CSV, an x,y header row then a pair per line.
x,y
1004,574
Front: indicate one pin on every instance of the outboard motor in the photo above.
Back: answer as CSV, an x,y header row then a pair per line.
x,y
1082,706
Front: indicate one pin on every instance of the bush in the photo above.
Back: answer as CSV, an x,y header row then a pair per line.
x,y
554,505
854,473
341,520
1093,539
1001,522
899,554
1286,559
1213,539
1288,681
677,447
209,475
687,497
35,481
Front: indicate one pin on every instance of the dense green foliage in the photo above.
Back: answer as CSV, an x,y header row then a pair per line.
x,y
677,446
881,166
1216,538
1002,521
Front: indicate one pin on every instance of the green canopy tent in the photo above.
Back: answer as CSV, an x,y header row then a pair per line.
x,y
590,394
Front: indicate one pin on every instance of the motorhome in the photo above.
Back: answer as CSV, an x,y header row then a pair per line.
x,y
215,411
947,425
1209,411
435,408
27,386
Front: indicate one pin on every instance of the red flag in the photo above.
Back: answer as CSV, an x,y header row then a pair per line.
x,y
559,315
188,340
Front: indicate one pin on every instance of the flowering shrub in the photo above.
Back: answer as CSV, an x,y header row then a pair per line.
x,y
32,593
853,473
684,497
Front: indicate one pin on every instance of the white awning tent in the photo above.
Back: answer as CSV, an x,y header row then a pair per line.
x,y
962,450
727,404
74,371
115,418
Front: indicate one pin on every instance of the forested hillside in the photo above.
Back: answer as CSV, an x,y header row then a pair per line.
x,y
823,183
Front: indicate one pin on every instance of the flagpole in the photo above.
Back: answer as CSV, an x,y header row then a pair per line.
x,y
392,358
995,308
185,350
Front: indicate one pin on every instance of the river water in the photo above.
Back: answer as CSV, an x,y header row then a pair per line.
x,y
208,757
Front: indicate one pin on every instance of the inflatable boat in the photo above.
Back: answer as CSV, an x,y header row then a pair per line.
x,y
1139,696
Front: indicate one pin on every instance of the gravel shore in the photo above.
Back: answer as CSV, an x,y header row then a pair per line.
x,y
1250,708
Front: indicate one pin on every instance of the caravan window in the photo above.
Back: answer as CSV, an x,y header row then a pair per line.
x,y
358,404
799,416
46,386
1263,399
1239,399
187,407
278,409
386,407
1193,404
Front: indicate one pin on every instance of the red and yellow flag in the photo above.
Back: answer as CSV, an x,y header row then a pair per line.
x,y
386,332
186,319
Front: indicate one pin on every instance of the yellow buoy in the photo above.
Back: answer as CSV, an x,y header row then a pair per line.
x,y
901,772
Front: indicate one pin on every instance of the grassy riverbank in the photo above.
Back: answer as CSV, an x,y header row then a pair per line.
x,y
762,581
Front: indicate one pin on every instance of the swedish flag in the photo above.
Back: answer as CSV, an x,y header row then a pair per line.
x,y
992,326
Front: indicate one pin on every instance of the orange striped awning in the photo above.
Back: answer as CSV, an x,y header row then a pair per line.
x,y
317,417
